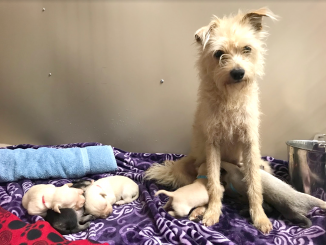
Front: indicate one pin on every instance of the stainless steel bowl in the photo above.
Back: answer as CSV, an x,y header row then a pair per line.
x,y
307,164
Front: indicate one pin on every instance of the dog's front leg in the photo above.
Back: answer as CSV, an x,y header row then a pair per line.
x,y
252,160
215,190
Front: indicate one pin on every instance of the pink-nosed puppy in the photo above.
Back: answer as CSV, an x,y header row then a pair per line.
x,y
188,197
103,193
39,198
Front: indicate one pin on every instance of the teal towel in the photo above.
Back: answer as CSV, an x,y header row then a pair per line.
x,y
45,163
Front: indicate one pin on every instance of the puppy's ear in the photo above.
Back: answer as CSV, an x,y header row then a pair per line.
x,y
254,18
202,34
56,208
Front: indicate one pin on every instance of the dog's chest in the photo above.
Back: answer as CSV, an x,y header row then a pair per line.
x,y
228,125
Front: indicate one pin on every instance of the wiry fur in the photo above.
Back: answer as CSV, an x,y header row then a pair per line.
x,y
227,116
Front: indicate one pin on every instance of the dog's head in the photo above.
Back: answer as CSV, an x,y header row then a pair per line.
x,y
98,203
232,49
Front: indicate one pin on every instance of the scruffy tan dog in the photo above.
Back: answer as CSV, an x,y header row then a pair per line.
x,y
187,197
39,198
231,51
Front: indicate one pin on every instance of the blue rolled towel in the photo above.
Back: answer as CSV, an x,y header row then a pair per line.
x,y
45,163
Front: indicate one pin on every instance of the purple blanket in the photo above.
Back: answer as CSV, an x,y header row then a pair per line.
x,y
145,222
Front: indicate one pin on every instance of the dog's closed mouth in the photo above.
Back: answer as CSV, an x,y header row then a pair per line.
x,y
232,81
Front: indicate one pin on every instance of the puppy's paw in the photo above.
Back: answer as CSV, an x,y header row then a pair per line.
x,y
197,214
121,202
263,224
211,217
172,213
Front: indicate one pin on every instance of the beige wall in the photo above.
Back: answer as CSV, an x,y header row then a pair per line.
x,y
107,59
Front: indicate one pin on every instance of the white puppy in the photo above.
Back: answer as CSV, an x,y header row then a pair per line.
x,y
103,193
39,198
188,197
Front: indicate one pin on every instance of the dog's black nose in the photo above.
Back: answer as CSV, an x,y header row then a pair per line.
x,y
237,74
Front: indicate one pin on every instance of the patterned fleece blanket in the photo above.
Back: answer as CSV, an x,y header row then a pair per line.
x,y
145,222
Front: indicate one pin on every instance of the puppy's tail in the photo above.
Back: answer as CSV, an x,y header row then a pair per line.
x,y
316,202
322,204
135,197
168,193
175,174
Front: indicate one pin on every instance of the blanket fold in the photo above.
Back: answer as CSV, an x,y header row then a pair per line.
x,y
45,163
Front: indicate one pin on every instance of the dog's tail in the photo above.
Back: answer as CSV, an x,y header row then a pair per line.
x,y
168,193
175,174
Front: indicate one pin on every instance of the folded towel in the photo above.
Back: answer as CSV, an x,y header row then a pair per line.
x,y
45,163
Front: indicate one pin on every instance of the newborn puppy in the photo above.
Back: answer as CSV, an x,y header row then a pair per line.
x,y
68,221
187,197
103,193
293,205
39,198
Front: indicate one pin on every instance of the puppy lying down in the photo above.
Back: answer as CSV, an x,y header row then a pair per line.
x,y
103,193
39,198
293,205
69,220
187,197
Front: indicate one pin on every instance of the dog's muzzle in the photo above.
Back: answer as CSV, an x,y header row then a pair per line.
x,y
237,74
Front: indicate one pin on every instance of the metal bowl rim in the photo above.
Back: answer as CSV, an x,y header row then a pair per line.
x,y
303,141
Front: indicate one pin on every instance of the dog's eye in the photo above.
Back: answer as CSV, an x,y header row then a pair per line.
x,y
218,54
246,49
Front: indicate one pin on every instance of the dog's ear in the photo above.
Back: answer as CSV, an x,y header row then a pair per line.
x,y
254,18
69,184
202,34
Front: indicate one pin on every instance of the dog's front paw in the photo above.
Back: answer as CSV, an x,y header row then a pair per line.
x,y
211,217
263,224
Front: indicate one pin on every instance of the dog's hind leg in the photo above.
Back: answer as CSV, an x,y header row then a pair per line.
x,y
176,174
86,218
79,228
298,218
172,213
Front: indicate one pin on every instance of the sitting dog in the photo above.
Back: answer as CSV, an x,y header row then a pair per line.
x,y
103,193
187,197
293,205
39,198
230,61
68,221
